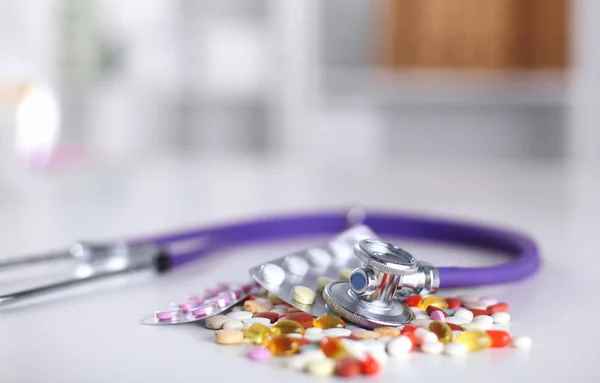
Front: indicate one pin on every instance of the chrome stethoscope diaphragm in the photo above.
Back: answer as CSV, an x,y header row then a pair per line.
x,y
369,298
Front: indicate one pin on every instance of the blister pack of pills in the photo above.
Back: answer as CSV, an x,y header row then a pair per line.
x,y
197,307
299,278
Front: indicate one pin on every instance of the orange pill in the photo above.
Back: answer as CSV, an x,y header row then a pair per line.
x,y
370,366
413,300
348,367
332,348
408,328
497,308
413,338
499,338
453,302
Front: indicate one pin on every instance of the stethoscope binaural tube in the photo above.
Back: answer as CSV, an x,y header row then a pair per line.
x,y
168,251
522,248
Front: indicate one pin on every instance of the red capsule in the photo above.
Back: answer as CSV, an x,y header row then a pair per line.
x,y
348,367
497,307
306,320
370,366
431,309
453,302
477,312
269,315
413,300
408,328
454,327
499,338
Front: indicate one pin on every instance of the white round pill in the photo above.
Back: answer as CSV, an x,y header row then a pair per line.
x,y
272,274
488,320
457,320
422,316
313,330
479,326
264,321
313,338
296,265
465,314
355,348
233,325
521,342
294,335
372,345
425,336
432,347
455,349
399,346
319,257
337,332
501,317
421,322
488,301
240,315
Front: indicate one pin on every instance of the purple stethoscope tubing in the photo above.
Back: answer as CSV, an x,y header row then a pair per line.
x,y
522,248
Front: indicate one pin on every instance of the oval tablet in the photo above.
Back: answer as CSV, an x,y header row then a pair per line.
x,y
304,295
272,274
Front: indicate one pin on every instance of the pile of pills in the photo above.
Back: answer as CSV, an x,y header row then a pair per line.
x,y
327,345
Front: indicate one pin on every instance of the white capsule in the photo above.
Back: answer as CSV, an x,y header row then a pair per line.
x,y
272,274
457,320
335,332
501,317
488,301
455,349
432,347
478,326
372,345
240,315
399,346
422,322
380,356
233,325
465,314
521,342
488,320
425,336
264,321
313,330
313,338
355,348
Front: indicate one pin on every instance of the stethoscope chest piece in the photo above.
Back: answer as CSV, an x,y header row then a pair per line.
x,y
369,297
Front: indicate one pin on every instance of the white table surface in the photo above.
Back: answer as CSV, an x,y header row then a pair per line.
x,y
92,333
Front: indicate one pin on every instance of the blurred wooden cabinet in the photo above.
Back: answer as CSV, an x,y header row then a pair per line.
x,y
475,34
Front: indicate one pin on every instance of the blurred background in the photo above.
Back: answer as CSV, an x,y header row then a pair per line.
x,y
94,83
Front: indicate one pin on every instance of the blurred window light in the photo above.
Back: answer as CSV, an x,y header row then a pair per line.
x,y
37,122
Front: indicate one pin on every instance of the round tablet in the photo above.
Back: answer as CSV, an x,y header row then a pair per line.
x,y
296,265
272,274
319,257
304,295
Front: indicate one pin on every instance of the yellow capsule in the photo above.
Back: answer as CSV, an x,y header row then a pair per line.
x,y
433,300
474,340
282,345
286,326
442,330
257,333
328,321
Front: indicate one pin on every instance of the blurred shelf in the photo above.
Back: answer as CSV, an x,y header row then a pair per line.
x,y
444,88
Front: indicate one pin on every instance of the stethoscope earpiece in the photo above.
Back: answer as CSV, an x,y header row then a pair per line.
x,y
369,297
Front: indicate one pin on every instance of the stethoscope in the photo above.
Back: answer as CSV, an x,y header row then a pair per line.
x,y
386,267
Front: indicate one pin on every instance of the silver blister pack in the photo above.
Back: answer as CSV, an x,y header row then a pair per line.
x,y
313,268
